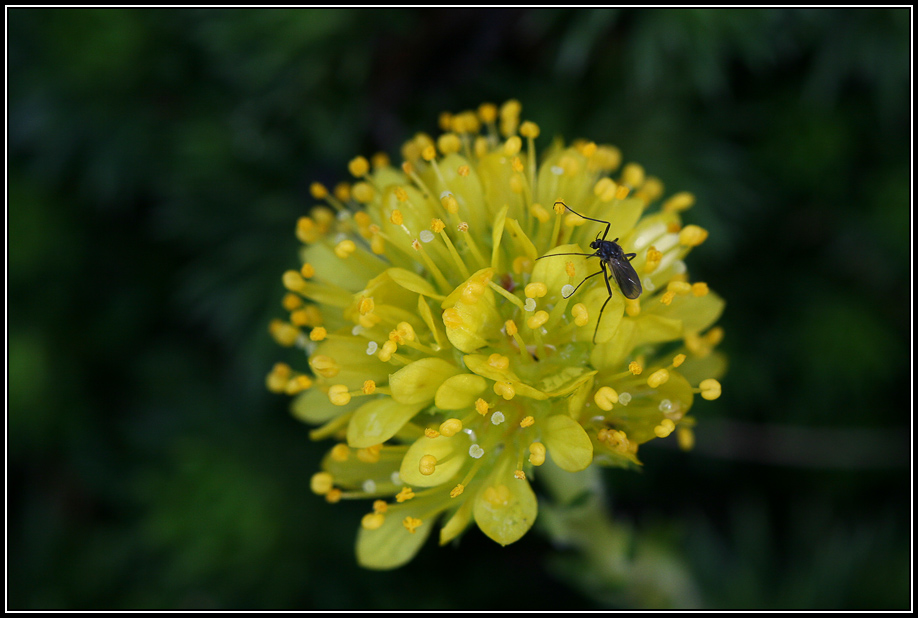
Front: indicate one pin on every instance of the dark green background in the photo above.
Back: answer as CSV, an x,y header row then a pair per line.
x,y
158,161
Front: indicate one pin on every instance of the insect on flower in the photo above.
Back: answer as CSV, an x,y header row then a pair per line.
x,y
610,255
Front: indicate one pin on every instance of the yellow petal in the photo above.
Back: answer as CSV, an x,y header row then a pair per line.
x,y
412,282
418,382
314,407
459,391
451,453
391,545
567,443
505,508
377,421
457,523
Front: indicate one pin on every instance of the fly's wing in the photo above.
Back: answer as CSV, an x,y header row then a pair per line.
x,y
626,278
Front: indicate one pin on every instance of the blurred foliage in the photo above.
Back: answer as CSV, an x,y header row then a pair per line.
x,y
158,160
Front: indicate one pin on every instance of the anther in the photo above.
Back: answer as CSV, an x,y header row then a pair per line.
x,y
657,378
358,167
635,368
710,389
339,395
692,235
605,397
427,465
537,453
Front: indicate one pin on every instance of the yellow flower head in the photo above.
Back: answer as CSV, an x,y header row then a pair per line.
x,y
452,358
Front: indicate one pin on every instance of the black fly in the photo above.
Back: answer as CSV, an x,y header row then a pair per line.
x,y
610,255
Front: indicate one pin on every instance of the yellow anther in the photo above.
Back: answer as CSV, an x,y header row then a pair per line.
x,y
449,143
510,327
298,385
400,194
667,298
510,109
537,320
517,165
714,336
699,289
318,333
405,494
369,454
487,112
411,524
650,190
678,202
527,421
291,302
536,290
499,362
366,305
308,270
605,397
570,270
321,483
633,175
396,217
457,490
653,259
386,351
686,438
621,192
559,207
416,244
466,122
472,292
692,235
333,496
679,287
678,359
450,203
665,428
372,521
341,452
481,406
378,244
363,192
380,506
444,121
529,129
450,427
505,390
538,211
358,167
635,368
318,191
537,453
293,281
710,389
452,318
602,186
285,334
463,170
379,160
463,226
343,191
588,149
429,153
431,433
437,225
481,146
581,314
369,387
338,395
345,248
407,167
522,264
300,317
498,496
519,474
512,145
306,230
569,165
406,331
427,465
658,377
278,378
